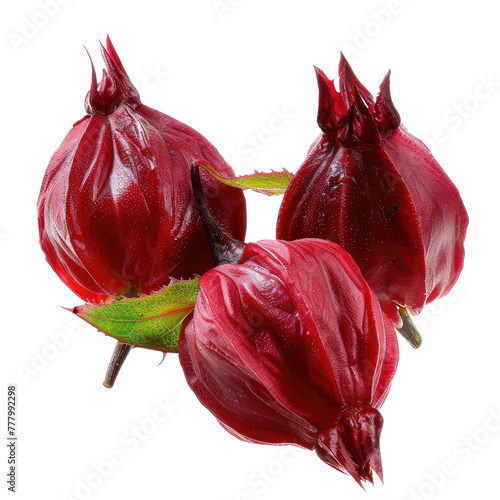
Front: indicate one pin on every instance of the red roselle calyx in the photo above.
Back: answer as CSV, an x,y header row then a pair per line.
x,y
290,346
116,211
376,190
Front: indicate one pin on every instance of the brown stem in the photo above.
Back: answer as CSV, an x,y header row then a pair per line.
x,y
119,356
224,248
409,330
120,353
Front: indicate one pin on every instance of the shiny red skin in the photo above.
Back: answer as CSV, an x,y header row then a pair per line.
x,y
376,190
116,211
291,347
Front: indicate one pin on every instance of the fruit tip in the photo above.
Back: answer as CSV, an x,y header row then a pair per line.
x,y
348,80
342,61
321,76
385,86
318,70
92,95
110,49
387,114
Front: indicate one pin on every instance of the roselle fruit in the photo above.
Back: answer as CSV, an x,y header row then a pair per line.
x,y
116,211
289,345
376,190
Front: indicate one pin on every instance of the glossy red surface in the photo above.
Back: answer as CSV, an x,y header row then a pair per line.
x,y
376,190
116,211
291,347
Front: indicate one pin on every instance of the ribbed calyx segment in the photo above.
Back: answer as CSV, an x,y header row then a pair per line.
x,y
352,445
350,114
114,88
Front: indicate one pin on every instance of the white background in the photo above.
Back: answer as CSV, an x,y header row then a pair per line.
x,y
226,72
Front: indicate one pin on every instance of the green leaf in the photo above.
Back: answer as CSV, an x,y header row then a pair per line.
x,y
149,321
270,183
